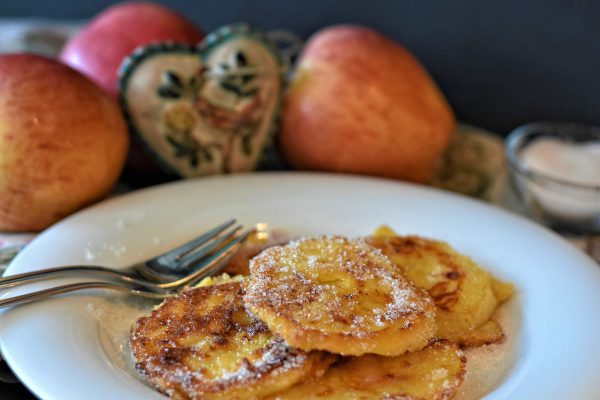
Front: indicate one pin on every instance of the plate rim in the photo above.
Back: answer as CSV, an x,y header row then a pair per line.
x,y
270,175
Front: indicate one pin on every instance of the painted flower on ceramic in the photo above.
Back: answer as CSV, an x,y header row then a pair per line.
x,y
209,110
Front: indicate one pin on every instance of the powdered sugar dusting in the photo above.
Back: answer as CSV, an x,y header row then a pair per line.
x,y
204,341
358,284
278,357
487,366
93,252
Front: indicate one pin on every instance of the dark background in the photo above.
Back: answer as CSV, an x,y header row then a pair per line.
x,y
500,63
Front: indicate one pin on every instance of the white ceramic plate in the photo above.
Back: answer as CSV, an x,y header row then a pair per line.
x,y
58,350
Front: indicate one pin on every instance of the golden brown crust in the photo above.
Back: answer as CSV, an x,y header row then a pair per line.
x,y
339,295
461,290
434,373
490,332
252,246
203,344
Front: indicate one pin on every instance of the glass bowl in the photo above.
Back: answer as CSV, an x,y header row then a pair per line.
x,y
558,180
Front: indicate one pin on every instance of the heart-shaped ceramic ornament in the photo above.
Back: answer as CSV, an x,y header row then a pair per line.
x,y
205,109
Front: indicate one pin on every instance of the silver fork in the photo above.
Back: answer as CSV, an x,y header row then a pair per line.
x,y
158,277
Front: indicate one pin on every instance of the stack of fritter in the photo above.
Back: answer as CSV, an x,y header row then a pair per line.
x,y
328,318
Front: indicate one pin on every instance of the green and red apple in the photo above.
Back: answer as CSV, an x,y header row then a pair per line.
x,y
361,103
63,142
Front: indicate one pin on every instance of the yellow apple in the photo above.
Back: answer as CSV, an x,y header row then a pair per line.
x,y
63,142
361,103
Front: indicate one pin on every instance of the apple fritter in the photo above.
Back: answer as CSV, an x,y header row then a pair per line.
x,y
256,242
434,373
487,333
464,293
219,279
339,295
502,290
203,344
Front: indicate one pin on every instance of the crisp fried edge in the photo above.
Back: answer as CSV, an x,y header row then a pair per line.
x,y
396,339
497,292
273,381
316,365
447,392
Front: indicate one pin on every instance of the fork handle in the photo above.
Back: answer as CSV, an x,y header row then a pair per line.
x,y
19,279
46,293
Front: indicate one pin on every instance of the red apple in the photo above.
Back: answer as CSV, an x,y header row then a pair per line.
x,y
63,142
361,103
99,49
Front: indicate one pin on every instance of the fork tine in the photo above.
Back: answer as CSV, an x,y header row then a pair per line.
x,y
228,251
193,256
215,261
72,287
211,264
184,249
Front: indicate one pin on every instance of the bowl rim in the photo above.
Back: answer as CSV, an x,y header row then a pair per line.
x,y
516,137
